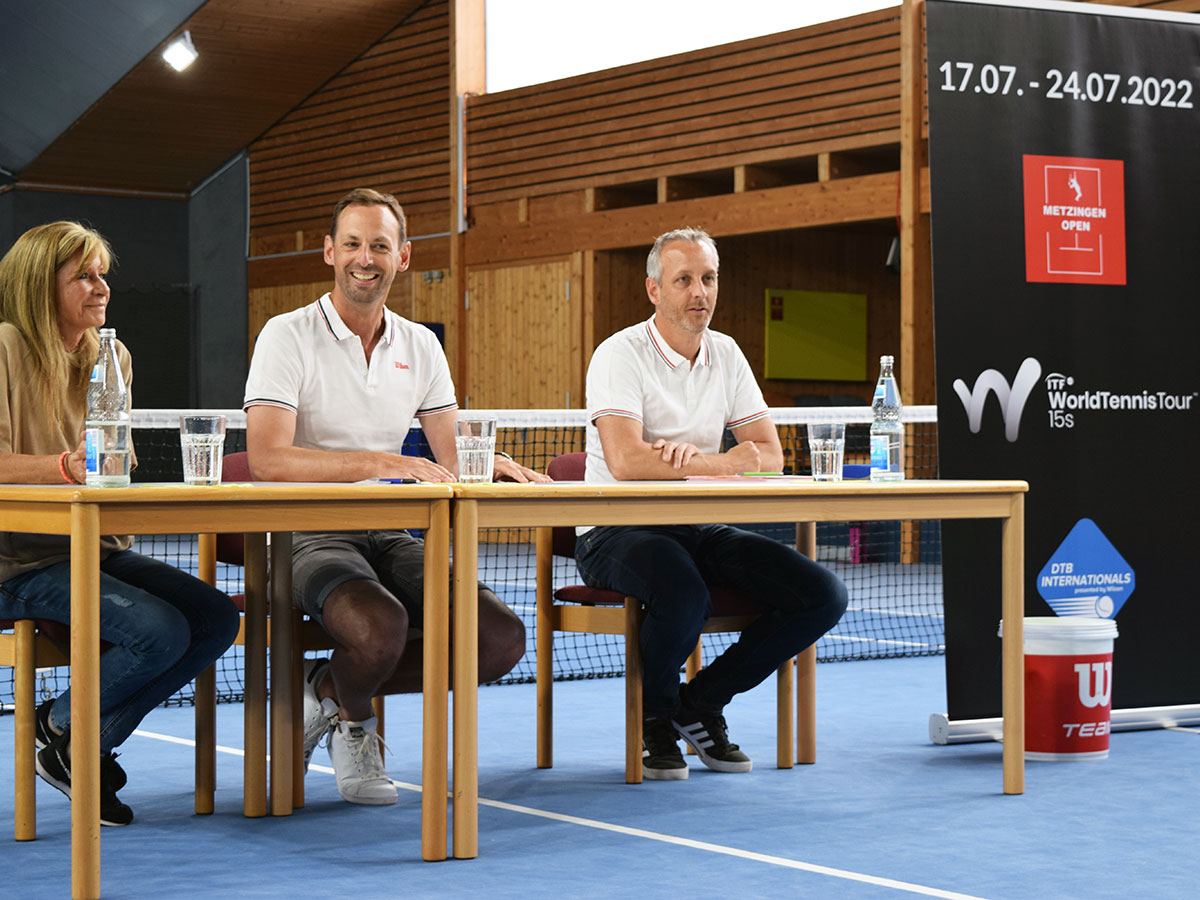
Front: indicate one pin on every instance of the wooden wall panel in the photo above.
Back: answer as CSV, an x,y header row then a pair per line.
x,y
751,101
381,122
430,300
523,353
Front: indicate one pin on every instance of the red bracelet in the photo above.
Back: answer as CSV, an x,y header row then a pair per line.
x,y
62,467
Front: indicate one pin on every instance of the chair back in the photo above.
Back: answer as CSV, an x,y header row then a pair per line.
x,y
568,467
231,548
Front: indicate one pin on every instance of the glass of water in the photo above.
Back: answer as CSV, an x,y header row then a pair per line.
x,y
475,440
202,441
826,447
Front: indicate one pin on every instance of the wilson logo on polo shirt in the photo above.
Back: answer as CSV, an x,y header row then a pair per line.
x,y
400,365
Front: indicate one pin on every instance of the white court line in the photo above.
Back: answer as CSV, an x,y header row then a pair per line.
x,y
853,639
733,851
782,861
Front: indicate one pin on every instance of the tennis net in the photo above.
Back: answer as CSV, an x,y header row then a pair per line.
x,y
892,569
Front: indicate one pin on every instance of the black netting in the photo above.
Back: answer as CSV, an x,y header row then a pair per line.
x,y
892,569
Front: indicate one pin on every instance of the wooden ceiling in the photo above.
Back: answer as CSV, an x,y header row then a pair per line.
x,y
157,130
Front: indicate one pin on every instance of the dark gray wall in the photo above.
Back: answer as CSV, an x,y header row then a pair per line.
x,y
150,305
179,284
217,233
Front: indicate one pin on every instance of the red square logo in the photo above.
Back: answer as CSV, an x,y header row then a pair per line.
x,y
1074,220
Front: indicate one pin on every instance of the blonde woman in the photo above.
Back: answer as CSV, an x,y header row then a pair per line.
x,y
161,625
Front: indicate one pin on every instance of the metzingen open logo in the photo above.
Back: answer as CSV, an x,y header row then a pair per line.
x,y
1074,220
1011,398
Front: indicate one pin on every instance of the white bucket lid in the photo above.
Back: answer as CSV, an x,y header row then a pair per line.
x,y
1067,628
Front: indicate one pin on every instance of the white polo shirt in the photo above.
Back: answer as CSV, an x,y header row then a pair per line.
x,y
636,374
309,362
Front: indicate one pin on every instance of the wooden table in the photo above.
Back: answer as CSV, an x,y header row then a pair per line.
x,y
87,513
676,502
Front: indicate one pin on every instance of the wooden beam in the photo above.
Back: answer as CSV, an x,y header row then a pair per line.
x,y
753,178
861,199
468,75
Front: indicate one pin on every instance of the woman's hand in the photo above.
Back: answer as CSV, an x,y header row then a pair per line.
x,y
76,462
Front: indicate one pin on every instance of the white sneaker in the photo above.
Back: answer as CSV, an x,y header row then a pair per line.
x,y
358,765
319,715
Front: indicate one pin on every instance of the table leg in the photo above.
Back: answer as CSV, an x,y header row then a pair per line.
x,y
806,669
85,701
466,679
436,638
24,699
1013,650
283,660
254,709
206,699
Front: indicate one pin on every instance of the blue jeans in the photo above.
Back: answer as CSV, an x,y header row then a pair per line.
x,y
165,627
669,569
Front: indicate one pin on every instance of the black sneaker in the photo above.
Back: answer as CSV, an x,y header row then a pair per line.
x,y
706,735
43,734
53,765
55,769
111,772
661,759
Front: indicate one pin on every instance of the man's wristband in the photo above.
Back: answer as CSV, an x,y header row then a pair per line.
x,y
505,455
62,467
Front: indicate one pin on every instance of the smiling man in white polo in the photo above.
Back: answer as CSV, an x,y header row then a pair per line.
x,y
332,392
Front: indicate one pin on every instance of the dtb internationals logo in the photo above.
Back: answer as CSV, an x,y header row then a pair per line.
x,y
1074,220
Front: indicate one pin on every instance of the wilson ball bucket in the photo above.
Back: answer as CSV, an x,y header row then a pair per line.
x,y
1068,687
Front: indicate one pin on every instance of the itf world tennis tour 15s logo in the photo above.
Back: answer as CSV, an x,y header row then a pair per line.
x,y
1074,220
1066,400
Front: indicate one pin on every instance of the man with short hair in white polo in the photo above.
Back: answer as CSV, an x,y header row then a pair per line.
x,y
333,389
660,395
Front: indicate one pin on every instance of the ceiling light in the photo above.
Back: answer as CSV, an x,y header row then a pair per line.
x,y
181,52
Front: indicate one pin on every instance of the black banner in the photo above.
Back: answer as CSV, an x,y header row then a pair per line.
x,y
1065,195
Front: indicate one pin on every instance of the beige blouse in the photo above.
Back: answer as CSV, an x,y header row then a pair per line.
x,y
25,427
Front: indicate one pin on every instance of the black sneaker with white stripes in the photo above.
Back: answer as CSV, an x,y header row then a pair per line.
x,y
661,759
706,734
54,767
43,734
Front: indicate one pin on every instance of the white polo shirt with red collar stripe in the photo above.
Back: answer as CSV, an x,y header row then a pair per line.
x,y
308,361
635,373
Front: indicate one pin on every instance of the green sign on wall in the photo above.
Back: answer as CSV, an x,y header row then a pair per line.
x,y
816,336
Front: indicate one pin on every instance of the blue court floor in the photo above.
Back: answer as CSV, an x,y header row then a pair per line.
x,y
883,813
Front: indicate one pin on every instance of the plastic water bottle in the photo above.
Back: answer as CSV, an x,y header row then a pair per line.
x,y
887,431
106,430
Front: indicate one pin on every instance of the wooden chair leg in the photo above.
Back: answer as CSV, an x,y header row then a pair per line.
x,y
783,715
695,662
24,794
206,740
377,708
806,706
633,692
